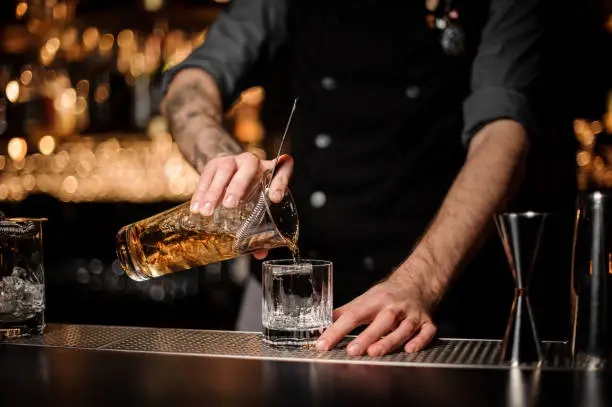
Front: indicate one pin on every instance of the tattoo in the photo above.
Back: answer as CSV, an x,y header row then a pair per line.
x,y
195,124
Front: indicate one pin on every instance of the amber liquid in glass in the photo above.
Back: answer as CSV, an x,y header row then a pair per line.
x,y
156,252
154,247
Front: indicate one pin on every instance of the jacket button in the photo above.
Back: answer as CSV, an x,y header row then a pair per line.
x,y
368,263
328,83
413,92
317,199
323,141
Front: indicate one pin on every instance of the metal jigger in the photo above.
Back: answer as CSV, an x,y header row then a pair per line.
x,y
521,234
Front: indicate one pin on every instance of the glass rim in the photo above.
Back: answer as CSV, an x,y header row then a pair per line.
x,y
526,214
23,219
291,262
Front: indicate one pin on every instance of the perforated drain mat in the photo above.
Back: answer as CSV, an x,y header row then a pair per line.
x,y
443,352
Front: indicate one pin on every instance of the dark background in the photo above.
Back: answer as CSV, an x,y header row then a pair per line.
x,y
79,237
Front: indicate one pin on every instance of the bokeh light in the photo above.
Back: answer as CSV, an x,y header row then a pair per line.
x,y
12,91
82,87
68,98
46,145
91,37
52,45
60,11
153,5
106,42
125,38
21,9
26,77
101,93
17,148
70,184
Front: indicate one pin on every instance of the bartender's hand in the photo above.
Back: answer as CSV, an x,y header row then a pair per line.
x,y
397,313
192,106
225,180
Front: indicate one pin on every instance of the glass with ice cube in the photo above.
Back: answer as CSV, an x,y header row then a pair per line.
x,y
22,290
297,301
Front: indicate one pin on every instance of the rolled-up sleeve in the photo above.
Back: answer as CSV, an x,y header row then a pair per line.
x,y
245,32
505,68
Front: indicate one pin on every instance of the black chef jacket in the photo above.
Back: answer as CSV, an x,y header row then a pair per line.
x,y
384,118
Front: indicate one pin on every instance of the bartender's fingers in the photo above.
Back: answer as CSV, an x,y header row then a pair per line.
x,y
280,182
225,171
260,254
197,200
395,339
337,313
248,166
384,322
343,325
427,333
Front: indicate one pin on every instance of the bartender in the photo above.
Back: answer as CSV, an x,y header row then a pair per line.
x,y
412,129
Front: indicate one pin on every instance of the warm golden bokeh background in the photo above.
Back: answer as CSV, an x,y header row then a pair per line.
x,y
60,96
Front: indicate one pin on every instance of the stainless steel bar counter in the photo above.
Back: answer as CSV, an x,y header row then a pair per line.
x,y
76,365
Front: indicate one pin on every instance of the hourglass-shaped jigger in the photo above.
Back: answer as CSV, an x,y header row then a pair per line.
x,y
521,234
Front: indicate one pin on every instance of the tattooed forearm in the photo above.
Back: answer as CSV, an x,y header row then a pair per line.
x,y
189,101
195,122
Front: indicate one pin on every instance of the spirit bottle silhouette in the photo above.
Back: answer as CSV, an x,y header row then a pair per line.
x,y
521,234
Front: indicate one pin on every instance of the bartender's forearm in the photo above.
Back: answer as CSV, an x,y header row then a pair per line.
x,y
491,175
194,111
